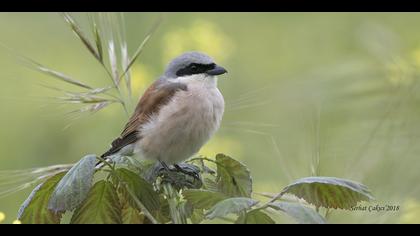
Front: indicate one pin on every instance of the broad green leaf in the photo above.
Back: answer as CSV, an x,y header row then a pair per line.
x,y
203,199
255,217
329,192
233,177
299,212
164,213
230,205
134,186
35,209
74,186
127,162
210,184
131,215
101,206
197,216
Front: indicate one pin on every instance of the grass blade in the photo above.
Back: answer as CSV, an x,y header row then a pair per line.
x,y
77,30
141,46
41,68
61,76
124,52
92,108
97,35
106,20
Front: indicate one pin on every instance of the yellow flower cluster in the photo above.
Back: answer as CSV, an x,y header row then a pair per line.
x,y
17,222
202,36
2,216
410,212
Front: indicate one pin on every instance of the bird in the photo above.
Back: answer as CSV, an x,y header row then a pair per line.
x,y
177,114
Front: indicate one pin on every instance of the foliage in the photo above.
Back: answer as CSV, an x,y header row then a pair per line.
x,y
35,209
122,194
74,186
329,192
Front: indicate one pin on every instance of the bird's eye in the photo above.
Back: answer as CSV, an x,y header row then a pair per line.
x,y
193,67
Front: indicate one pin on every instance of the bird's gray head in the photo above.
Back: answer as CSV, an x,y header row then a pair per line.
x,y
191,63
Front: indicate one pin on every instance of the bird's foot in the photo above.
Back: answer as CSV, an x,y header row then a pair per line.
x,y
181,175
188,170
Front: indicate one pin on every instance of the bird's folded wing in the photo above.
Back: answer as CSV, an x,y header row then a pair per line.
x,y
157,95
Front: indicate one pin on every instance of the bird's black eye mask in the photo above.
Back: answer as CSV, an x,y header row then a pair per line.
x,y
195,68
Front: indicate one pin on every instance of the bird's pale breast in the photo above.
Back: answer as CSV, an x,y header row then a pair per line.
x,y
184,125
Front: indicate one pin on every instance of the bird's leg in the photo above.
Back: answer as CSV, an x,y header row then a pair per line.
x,y
168,171
166,167
187,172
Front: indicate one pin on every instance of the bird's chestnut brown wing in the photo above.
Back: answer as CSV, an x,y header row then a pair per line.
x,y
157,95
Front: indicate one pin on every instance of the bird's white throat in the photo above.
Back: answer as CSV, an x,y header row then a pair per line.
x,y
205,80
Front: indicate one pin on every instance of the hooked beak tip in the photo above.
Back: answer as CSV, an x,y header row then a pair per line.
x,y
218,70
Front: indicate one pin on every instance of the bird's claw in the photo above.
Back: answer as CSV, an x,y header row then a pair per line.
x,y
189,170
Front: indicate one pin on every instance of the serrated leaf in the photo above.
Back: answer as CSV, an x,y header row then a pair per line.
x,y
101,206
299,212
255,217
197,216
203,199
131,215
164,213
133,164
35,208
329,192
210,184
233,177
229,206
141,189
74,187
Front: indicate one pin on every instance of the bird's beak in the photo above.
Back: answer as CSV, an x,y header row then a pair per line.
x,y
217,70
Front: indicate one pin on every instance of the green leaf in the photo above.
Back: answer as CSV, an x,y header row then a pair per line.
x,y
255,217
131,215
197,216
210,184
299,212
101,206
74,186
230,205
164,213
329,192
35,209
140,188
233,177
133,164
203,199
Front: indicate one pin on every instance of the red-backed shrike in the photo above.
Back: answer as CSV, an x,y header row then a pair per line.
x,y
177,114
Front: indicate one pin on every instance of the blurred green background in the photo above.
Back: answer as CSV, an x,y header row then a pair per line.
x,y
328,94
